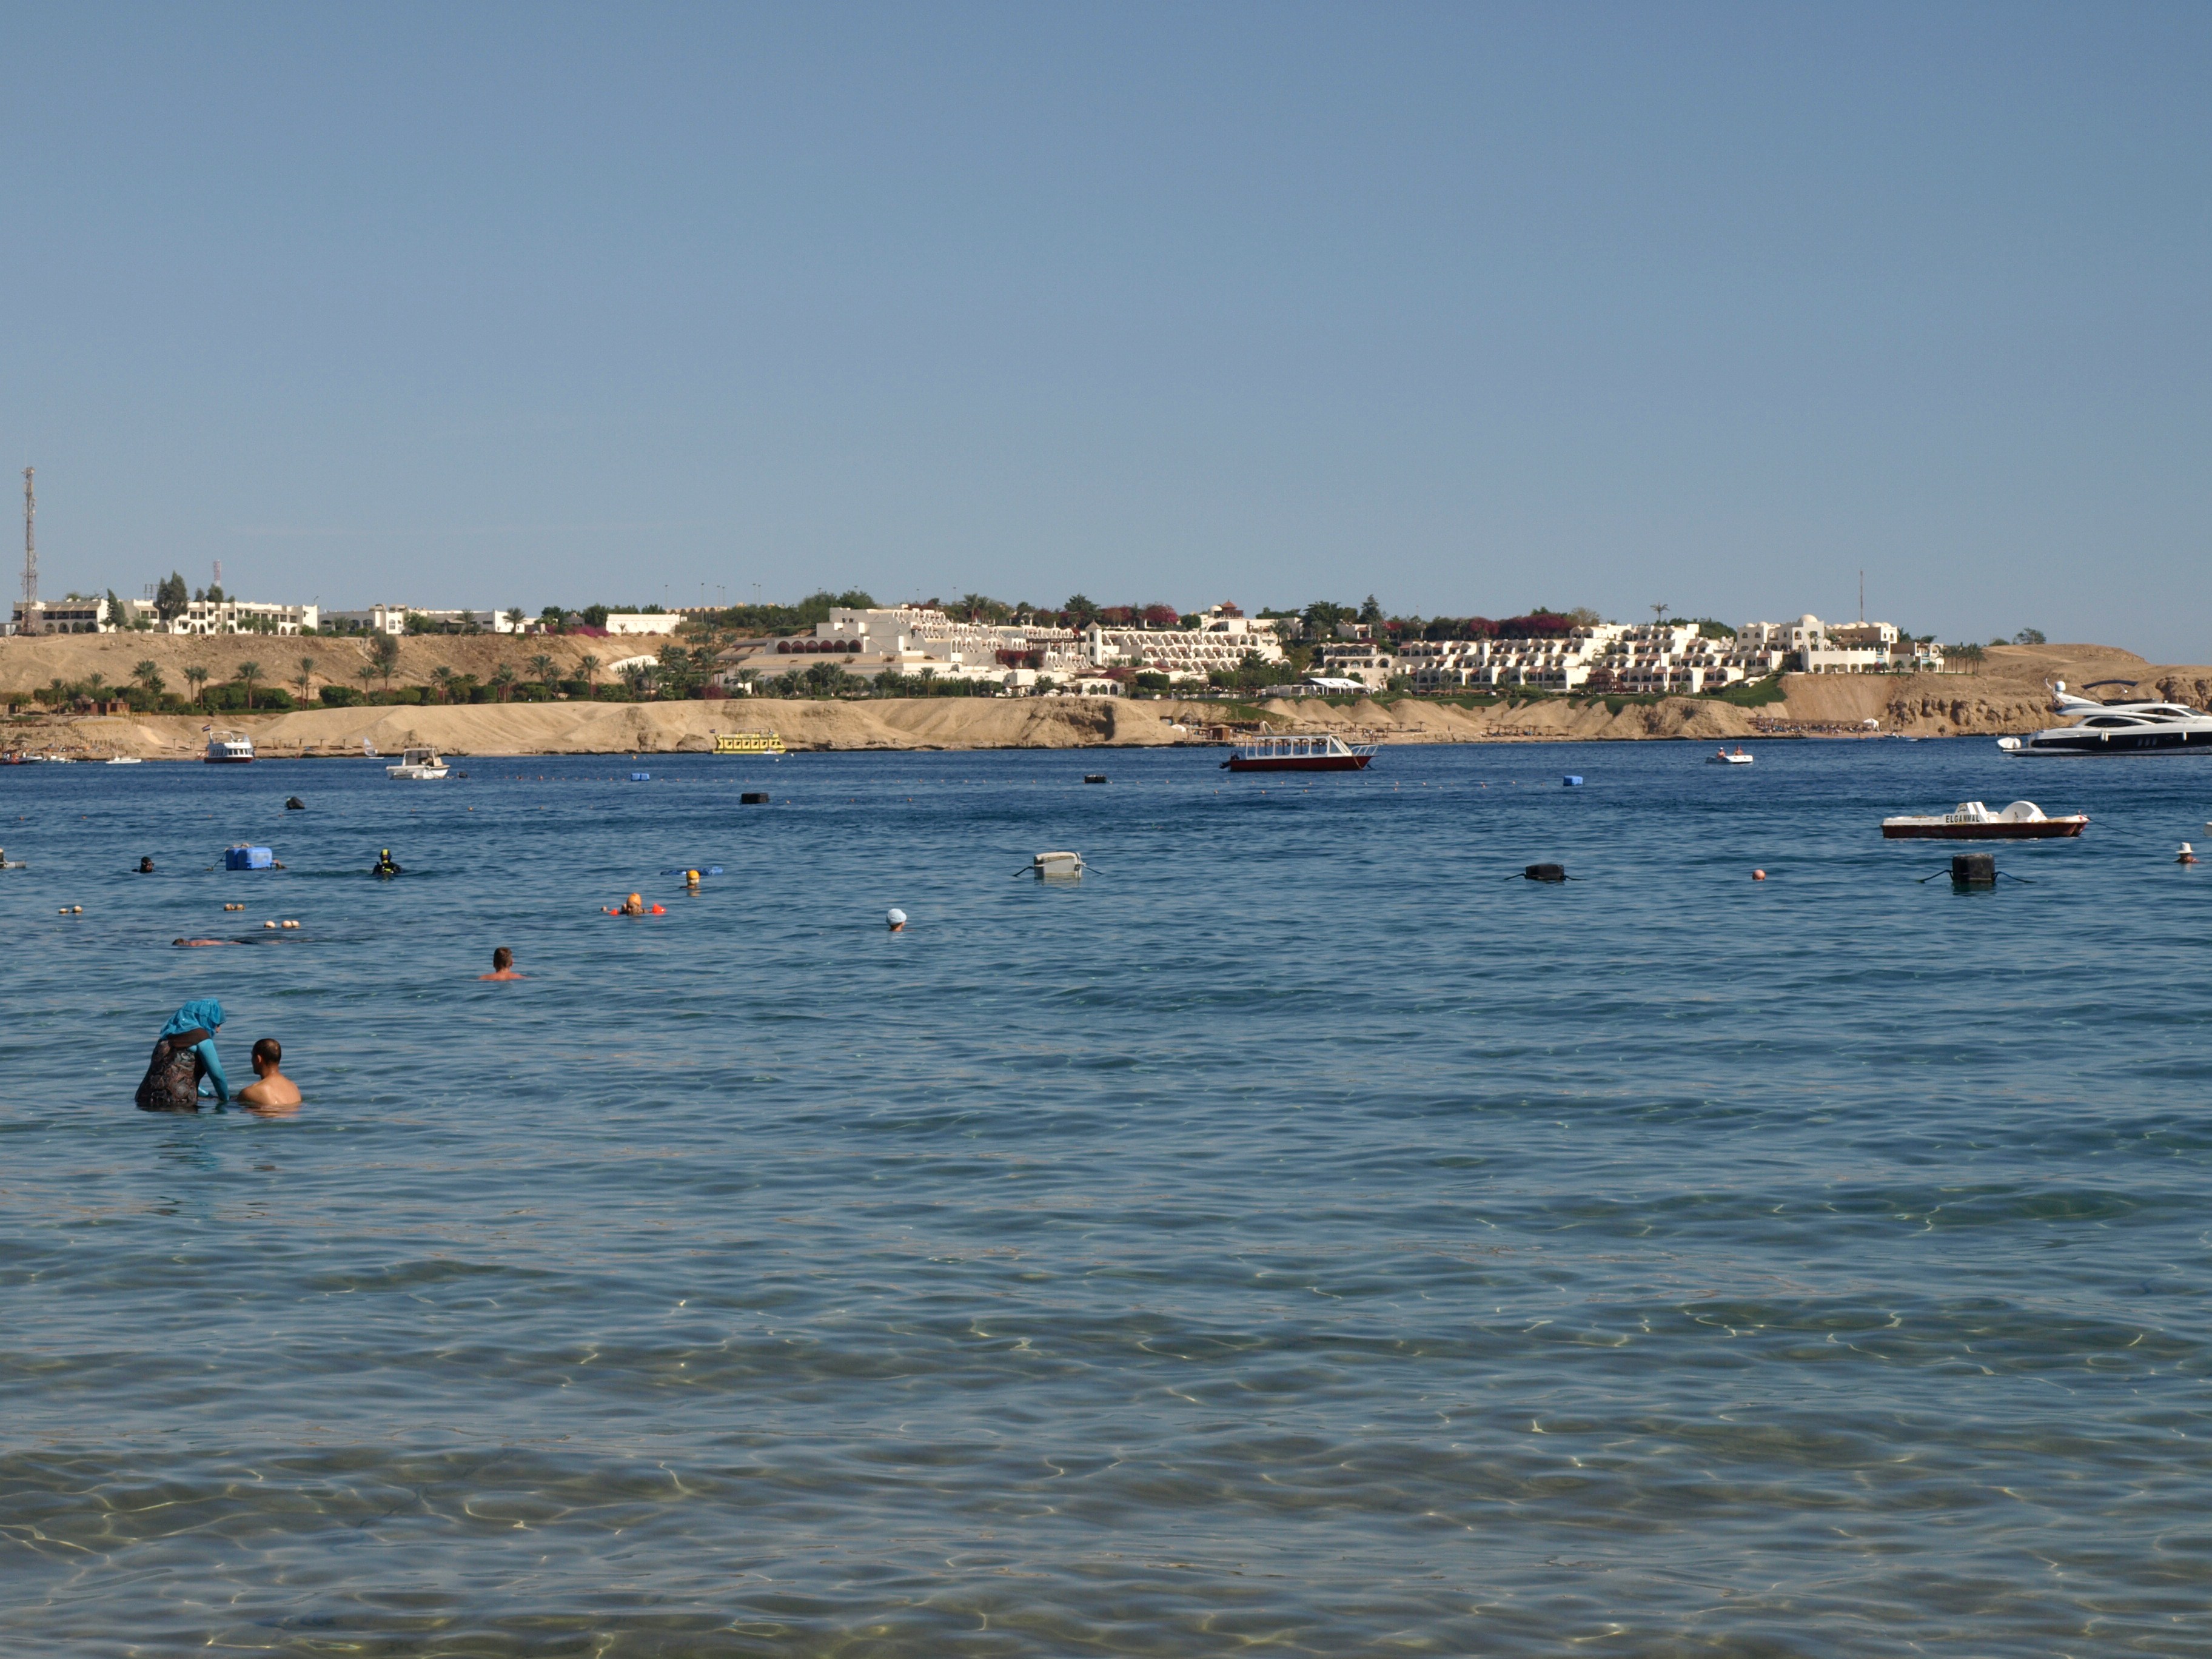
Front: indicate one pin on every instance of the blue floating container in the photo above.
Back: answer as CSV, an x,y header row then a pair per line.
x,y
640,777
1572,781
248,858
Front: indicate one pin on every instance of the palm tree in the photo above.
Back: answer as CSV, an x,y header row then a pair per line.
x,y
96,683
542,665
502,680
366,672
150,676
246,673
197,678
442,678
638,676
306,676
388,658
588,665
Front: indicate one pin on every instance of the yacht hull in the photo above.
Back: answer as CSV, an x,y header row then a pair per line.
x,y
2041,830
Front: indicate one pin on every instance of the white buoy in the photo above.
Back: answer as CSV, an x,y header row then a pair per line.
x,y
1058,866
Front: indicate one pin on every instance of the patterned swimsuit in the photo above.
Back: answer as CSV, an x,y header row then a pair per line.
x,y
172,1083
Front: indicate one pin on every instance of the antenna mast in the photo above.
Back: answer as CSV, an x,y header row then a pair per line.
x,y
30,621
1862,596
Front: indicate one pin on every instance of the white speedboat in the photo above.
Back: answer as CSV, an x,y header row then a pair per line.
x,y
421,764
1721,757
124,760
229,748
2118,728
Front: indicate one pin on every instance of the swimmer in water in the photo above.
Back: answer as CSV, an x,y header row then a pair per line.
x,y
384,869
502,966
145,867
183,1053
896,921
691,881
275,1094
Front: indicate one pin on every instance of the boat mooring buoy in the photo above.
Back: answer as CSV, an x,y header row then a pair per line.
x,y
753,797
1094,777
1055,866
1973,869
1572,781
1545,872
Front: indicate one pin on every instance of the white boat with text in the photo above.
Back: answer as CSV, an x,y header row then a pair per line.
x,y
1972,821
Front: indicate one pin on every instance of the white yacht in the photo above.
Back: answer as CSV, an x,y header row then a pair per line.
x,y
2116,728
422,764
229,748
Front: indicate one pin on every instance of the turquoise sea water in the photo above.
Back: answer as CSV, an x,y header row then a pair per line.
x,y
1302,1237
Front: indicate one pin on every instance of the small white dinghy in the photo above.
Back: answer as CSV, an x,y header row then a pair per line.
x,y
420,764
1721,757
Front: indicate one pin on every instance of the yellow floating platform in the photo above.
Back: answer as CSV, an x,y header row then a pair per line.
x,y
748,743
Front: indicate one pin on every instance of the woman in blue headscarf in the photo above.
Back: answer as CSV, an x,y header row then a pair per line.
x,y
183,1055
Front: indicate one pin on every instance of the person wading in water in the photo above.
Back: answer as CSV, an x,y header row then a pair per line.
x,y
183,1055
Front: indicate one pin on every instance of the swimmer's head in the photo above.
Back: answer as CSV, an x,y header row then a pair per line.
x,y
895,919
269,1052
501,960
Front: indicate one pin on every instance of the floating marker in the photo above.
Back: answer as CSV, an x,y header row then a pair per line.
x,y
753,797
1572,781
1545,872
1973,869
640,777
1094,777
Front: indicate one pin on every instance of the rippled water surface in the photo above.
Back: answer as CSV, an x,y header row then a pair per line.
x,y
1304,1236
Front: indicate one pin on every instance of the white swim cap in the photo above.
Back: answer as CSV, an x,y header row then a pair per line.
x,y
896,917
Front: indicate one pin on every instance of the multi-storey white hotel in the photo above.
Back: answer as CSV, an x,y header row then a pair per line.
x,y
908,639
1643,657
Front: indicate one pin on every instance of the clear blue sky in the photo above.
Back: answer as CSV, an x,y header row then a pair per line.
x,y
1473,307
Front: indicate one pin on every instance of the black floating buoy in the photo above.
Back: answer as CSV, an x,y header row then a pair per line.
x,y
294,803
1094,777
753,797
1973,869
1546,872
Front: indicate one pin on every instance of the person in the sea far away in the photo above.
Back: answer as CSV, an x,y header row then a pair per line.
x,y
274,1092
502,966
183,1055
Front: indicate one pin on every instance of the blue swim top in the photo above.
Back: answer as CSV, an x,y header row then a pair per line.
x,y
201,1016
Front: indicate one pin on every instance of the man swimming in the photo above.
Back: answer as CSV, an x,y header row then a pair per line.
x,y
502,966
275,1092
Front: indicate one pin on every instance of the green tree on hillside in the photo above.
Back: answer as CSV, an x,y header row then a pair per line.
x,y
148,674
306,676
197,677
246,674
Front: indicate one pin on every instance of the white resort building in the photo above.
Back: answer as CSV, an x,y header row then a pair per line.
x,y
918,639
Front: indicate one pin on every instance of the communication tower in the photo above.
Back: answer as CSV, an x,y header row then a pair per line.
x,y
30,621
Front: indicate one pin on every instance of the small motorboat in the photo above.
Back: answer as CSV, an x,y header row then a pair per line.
x,y
124,760
1721,757
422,765
1315,754
1972,821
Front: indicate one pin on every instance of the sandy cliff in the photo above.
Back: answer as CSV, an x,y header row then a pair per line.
x,y
2008,694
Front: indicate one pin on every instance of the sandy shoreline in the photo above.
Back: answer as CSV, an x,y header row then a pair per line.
x,y
2010,696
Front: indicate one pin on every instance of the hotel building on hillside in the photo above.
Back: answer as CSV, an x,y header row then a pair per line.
x,y
911,639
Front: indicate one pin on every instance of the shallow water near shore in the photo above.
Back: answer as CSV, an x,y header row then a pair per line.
x,y
1301,1235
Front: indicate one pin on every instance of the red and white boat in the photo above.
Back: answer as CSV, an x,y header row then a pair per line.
x,y
1972,821
1325,754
